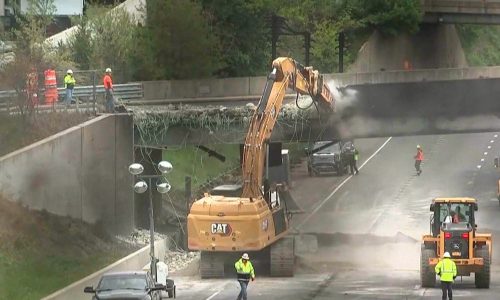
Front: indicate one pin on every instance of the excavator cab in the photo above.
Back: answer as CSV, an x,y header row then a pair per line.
x,y
222,225
453,229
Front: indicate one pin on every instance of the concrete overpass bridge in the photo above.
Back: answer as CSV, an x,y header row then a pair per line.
x,y
461,11
369,104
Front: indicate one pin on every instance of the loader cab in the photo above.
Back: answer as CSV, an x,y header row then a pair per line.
x,y
449,214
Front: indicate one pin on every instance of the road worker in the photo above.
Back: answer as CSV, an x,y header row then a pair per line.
x,y
245,272
109,92
418,159
69,85
353,161
447,271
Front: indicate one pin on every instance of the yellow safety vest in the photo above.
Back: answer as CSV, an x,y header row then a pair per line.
x,y
245,271
447,268
69,81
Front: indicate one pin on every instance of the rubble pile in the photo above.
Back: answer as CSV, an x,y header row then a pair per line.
x,y
179,260
159,119
140,238
175,260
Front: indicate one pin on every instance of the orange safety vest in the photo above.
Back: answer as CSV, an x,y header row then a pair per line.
x,y
108,82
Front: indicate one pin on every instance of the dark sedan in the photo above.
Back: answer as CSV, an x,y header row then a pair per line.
x,y
126,286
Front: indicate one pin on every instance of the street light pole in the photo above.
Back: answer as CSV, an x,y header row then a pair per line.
x,y
152,233
140,187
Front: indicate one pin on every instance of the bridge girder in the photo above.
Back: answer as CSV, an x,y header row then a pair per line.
x,y
371,110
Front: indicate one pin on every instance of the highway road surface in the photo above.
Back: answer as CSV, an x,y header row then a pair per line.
x,y
368,226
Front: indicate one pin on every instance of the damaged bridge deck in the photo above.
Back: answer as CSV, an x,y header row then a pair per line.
x,y
364,110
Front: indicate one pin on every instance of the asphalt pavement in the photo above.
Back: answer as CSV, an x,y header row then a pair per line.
x,y
369,226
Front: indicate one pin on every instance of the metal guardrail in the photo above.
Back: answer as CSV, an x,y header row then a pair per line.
x,y
86,94
123,91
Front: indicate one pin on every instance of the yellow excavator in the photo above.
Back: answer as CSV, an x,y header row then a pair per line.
x,y
252,217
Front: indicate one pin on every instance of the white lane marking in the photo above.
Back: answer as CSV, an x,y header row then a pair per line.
x,y
482,159
492,141
318,207
479,166
213,295
485,153
489,147
496,135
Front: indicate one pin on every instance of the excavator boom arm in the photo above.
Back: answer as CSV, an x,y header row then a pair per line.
x,y
286,73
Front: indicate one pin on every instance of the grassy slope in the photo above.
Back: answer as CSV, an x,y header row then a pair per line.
x,y
190,161
481,44
40,253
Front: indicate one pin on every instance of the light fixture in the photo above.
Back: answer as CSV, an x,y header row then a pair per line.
x,y
140,186
165,167
163,187
136,169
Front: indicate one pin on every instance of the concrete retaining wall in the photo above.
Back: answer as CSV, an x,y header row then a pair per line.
x,y
80,172
233,88
135,261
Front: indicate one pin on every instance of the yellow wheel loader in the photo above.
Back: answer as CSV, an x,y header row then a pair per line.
x,y
453,229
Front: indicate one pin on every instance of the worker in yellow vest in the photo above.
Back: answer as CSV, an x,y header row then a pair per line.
x,y
447,271
245,272
69,85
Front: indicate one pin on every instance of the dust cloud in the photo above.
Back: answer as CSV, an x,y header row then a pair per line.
x,y
365,119
343,251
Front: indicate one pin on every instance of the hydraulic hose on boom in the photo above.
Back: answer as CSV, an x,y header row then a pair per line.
x,y
238,219
286,73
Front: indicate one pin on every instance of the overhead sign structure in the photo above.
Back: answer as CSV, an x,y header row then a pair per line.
x,y
63,7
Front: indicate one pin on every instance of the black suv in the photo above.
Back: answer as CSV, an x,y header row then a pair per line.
x,y
329,157
133,285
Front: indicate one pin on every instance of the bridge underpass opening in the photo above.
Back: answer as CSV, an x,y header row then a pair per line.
x,y
367,110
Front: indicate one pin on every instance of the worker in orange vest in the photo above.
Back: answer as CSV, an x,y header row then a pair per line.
x,y
418,159
108,88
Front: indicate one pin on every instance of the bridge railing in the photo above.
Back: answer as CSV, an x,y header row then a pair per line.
x,y
461,6
85,97
246,88
345,79
250,88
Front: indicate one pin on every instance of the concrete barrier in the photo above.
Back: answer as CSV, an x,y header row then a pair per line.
x,y
132,262
79,172
229,88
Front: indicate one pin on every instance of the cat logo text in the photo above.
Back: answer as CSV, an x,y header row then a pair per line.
x,y
221,228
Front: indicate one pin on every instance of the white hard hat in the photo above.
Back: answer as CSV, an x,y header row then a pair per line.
x,y
418,146
108,70
446,255
70,71
245,256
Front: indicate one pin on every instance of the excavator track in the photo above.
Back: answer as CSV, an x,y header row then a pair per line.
x,y
211,265
282,257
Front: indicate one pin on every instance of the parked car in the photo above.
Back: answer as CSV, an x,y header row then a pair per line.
x,y
133,285
328,157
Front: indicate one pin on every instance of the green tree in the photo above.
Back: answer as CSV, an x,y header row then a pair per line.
x,y
243,29
178,37
32,31
104,37
324,19
81,44
389,16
